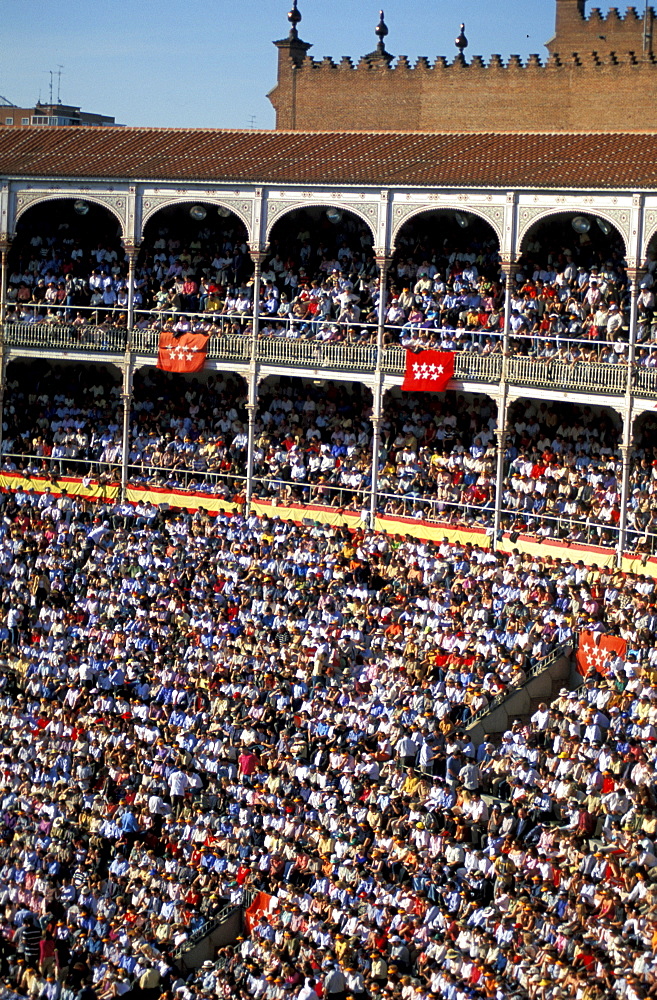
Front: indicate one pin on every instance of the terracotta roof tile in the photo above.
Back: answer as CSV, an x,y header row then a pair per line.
x,y
537,160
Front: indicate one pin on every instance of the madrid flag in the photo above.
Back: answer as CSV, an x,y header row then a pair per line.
x,y
186,353
428,371
594,650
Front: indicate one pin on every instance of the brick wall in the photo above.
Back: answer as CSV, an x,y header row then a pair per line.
x,y
578,87
612,32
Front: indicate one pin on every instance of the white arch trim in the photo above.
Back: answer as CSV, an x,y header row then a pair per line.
x,y
63,196
340,206
464,209
649,237
147,214
571,211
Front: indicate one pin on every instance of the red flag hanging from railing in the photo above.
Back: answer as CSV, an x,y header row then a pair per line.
x,y
428,371
186,353
595,650
260,906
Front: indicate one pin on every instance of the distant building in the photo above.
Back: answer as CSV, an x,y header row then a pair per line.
x,y
599,75
49,114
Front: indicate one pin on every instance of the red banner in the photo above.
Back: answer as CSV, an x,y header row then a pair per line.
x,y
428,371
186,353
594,651
260,907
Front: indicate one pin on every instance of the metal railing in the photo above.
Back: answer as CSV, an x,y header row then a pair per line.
x,y
536,668
66,336
206,928
640,544
644,382
589,376
178,477
316,354
564,528
561,527
310,492
428,508
228,345
77,465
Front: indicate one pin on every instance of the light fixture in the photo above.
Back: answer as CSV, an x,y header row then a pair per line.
x,y
604,226
223,212
581,224
462,220
80,207
333,215
198,213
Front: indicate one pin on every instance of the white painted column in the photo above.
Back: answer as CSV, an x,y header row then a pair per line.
x,y
132,252
257,256
628,418
126,399
508,263
5,247
383,260
377,407
251,409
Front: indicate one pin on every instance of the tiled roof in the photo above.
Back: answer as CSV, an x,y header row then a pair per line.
x,y
513,160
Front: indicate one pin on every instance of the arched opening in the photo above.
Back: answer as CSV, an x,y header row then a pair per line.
x,y
647,300
641,535
438,457
189,432
62,420
67,266
563,472
319,278
444,287
313,443
194,261
570,285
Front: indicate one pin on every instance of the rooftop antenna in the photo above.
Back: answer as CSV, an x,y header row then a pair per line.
x,y
252,121
60,67
50,71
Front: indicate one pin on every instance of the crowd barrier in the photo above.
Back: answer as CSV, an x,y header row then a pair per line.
x,y
430,530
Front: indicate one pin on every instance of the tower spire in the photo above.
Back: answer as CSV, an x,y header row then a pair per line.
x,y
294,17
380,54
461,41
292,47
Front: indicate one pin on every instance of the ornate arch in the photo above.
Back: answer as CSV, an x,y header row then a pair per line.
x,y
650,231
367,212
403,213
242,208
116,204
528,217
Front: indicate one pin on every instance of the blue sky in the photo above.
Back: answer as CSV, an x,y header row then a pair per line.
x,y
210,64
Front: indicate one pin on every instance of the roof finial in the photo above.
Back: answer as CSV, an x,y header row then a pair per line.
x,y
461,42
381,31
380,57
294,17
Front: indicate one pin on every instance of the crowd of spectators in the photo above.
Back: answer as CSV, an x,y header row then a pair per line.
x,y
313,444
320,282
196,710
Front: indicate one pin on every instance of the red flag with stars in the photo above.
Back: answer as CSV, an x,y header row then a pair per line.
x,y
186,353
595,650
428,371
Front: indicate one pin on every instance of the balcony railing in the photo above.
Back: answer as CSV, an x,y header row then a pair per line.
x,y
590,376
313,354
66,337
